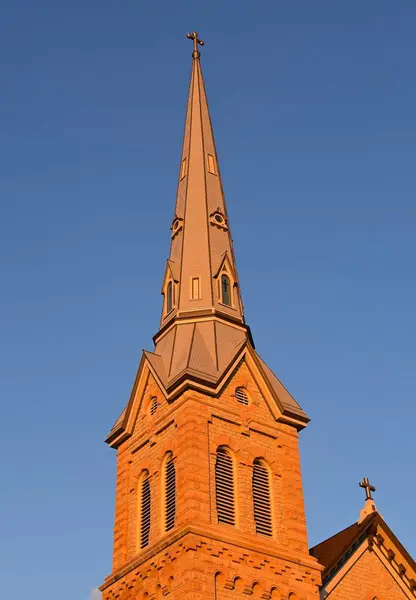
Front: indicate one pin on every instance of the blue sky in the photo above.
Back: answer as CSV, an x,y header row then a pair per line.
x,y
313,105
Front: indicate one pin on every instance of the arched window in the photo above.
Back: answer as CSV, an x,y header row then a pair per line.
x,y
224,486
242,396
170,492
225,290
144,509
169,297
262,498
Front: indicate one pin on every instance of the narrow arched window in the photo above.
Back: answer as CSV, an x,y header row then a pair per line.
x,y
170,493
225,290
169,297
224,487
262,498
144,509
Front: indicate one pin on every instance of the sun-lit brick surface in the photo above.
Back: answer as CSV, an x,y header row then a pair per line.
x,y
201,558
368,579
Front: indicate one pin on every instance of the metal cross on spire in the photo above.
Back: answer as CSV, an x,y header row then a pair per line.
x,y
365,483
194,36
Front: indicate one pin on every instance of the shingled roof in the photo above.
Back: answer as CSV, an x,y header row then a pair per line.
x,y
332,550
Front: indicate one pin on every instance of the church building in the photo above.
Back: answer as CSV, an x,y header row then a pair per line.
x,y
209,500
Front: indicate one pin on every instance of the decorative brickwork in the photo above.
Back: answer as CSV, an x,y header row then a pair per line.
x,y
200,557
201,568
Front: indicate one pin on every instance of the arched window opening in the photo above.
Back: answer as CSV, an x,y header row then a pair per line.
x,y
170,493
242,396
262,498
145,509
169,297
225,290
158,592
224,487
238,584
154,405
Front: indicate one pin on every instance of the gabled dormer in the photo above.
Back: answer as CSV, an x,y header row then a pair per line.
x,y
226,284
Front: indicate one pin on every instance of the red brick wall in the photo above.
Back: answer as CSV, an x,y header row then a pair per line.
x,y
192,428
367,579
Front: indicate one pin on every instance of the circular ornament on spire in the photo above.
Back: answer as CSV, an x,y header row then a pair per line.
x,y
218,219
177,225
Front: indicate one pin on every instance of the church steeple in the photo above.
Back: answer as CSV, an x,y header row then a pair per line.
x,y
202,325
202,335
207,459
201,274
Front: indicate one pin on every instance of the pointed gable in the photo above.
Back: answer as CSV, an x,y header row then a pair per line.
x,y
368,558
171,272
204,356
227,265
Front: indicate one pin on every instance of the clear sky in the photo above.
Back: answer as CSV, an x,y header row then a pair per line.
x,y
313,105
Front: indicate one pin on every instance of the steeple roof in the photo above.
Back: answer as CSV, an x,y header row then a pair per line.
x,y
202,324
201,239
202,335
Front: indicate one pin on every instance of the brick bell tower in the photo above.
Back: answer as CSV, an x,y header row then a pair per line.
x,y
209,501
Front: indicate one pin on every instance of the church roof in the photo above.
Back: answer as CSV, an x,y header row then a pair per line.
x,y
334,552
330,551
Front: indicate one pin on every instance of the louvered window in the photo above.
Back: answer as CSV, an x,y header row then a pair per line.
x,y
145,510
170,494
242,396
224,487
262,499
154,404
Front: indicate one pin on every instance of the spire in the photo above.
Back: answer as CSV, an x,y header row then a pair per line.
x,y
203,337
202,324
201,264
